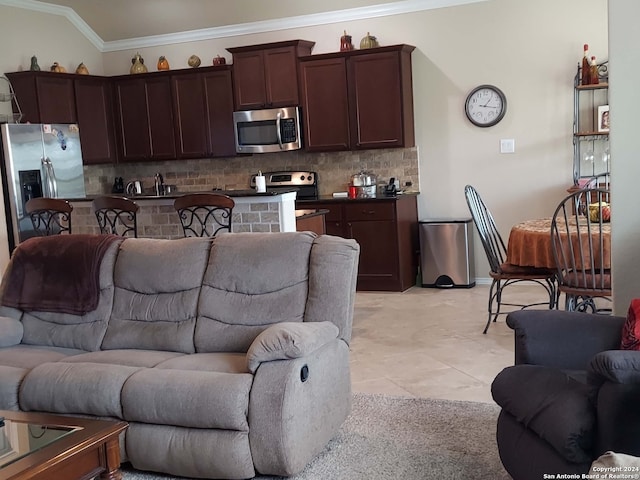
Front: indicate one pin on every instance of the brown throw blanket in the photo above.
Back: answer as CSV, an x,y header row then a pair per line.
x,y
59,273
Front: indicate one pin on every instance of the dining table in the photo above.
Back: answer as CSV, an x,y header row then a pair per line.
x,y
529,243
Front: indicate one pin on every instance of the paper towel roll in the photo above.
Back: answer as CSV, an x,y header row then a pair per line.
x,y
261,184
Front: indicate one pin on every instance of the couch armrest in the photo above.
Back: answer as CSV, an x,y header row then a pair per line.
x,y
287,340
11,331
565,340
617,366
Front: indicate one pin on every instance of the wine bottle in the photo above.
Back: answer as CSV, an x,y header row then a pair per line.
x,y
586,66
593,72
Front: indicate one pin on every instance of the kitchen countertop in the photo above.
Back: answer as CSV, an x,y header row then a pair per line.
x,y
310,212
231,193
331,198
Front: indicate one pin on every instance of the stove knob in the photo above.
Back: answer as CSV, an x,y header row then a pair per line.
x,y
302,177
309,178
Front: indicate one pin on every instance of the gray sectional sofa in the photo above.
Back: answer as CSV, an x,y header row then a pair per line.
x,y
228,357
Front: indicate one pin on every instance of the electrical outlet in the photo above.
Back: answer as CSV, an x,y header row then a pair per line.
x,y
507,145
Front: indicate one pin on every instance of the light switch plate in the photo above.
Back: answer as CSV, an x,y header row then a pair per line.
x,y
507,145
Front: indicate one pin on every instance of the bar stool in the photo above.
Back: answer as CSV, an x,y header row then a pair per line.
x,y
49,216
116,215
204,214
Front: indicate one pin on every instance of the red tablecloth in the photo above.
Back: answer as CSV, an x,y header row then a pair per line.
x,y
530,243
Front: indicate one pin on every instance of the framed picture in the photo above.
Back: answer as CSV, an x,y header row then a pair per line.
x,y
603,118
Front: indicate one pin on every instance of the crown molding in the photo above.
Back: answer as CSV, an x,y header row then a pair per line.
x,y
338,16
63,11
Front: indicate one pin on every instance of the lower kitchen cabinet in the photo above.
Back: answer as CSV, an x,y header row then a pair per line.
x,y
387,231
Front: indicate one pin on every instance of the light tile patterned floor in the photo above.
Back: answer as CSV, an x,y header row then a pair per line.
x,y
428,342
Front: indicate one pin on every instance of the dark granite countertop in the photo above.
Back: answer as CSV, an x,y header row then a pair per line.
x,y
172,196
331,198
310,212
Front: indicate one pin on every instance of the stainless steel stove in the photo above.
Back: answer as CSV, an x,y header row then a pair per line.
x,y
305,182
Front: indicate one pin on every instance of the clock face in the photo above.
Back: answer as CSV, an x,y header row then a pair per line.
x,y
485,106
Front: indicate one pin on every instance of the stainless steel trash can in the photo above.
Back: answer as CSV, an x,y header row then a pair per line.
x,y
446,253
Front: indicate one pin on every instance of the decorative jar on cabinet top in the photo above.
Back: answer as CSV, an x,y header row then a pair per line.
x,y
138,65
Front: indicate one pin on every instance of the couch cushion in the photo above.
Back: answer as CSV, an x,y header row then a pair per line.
x,y
75,388
223,362
10,386
82,332
179,451
129,357
157,285
253,280
631,328
188,398
11,331
552,404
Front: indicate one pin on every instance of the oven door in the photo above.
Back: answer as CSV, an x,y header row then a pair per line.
x,y
271,130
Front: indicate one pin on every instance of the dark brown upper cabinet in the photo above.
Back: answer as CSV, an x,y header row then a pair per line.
x,y
44,97
325,104
358,100
145,118
266,75
203,107
94,107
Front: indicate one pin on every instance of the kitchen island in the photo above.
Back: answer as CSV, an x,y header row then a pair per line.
x,y
273,211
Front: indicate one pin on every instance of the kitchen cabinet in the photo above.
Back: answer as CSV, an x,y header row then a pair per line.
x,y
44,97
325,104
94,108
266,75
387,231
145,118
360,99
203,108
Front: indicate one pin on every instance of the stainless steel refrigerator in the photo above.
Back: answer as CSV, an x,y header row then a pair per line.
x,y
39,160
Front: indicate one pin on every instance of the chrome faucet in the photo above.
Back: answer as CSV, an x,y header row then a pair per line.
x,y
158,184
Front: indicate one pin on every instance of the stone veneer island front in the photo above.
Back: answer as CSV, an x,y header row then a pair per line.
x,y
158,219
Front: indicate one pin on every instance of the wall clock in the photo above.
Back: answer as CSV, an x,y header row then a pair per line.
x,y
485,106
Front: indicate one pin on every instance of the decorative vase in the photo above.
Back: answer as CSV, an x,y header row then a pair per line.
x,y
138,65
163,63
369,42
82,69
34,64
345,42
56,67
193,61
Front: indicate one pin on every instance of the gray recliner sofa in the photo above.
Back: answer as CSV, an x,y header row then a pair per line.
x,y
228,357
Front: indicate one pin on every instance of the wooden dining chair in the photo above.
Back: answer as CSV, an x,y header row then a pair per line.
x,y
204,214
581,246
116,215
49,216
502,273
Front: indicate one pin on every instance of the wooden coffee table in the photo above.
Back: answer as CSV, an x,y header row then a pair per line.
x,y
41,446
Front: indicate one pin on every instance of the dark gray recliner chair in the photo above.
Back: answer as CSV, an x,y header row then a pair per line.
x,y
571,395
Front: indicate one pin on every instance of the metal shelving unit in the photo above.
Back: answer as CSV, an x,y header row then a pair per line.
x,y
591,157
9,96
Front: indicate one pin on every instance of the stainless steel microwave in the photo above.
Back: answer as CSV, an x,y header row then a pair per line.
x,y
268,130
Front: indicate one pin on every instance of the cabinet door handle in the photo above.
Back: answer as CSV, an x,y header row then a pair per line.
x,y
369,212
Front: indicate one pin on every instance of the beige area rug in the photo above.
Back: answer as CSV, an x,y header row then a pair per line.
x,y
404,438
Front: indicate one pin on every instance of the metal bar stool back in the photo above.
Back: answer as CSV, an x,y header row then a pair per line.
x,y
49,216
116,215
204,214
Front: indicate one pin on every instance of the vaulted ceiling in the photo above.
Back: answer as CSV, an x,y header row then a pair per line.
x,y
114,20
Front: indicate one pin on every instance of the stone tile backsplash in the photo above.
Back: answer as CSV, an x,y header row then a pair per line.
x,y
334,170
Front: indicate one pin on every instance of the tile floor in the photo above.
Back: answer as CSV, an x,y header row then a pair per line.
x,y
428,342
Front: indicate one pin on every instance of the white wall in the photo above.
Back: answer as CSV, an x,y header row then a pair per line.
x,y
528,49
624,104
